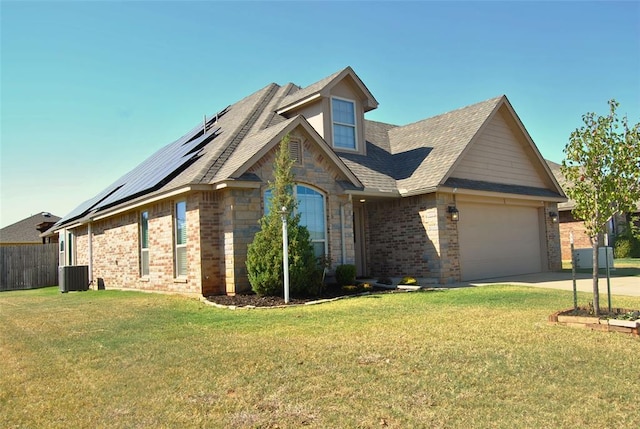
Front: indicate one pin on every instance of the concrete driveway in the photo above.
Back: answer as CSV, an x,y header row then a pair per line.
x,y
628,285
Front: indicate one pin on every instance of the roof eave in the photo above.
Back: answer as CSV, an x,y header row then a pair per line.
x,y
312,97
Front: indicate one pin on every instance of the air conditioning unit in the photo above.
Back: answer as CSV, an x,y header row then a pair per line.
x,y
584,257
73,278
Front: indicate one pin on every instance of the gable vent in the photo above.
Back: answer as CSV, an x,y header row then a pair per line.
x,y
295,151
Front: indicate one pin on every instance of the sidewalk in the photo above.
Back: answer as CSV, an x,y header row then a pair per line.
x,y
628,285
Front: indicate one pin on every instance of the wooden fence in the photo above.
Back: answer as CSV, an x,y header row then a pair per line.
x,y
28,266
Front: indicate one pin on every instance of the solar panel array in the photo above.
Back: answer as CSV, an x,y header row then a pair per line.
x,y
153,173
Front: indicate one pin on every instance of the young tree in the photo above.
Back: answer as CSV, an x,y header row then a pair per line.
x,y
602,168
264,254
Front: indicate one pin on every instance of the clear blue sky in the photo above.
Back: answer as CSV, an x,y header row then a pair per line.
x,y
90,89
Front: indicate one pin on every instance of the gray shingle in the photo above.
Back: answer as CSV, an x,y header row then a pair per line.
x,y
26,230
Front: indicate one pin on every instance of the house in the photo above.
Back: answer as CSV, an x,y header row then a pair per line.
x,y
460,196
569,224
29,230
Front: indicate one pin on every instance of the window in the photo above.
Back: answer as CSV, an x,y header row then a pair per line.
x,y
181,238
344,123
311,207
144,244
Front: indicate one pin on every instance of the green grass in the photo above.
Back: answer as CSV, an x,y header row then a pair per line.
x,y
473,357
623,268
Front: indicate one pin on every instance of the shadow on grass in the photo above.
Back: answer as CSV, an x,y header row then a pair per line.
x,y
617,272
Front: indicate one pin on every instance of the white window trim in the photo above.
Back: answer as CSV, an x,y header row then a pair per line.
x,y
177,246
144,249
355,125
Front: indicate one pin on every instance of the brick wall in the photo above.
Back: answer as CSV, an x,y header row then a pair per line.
x,y
210,243
403,237
116,253
581,239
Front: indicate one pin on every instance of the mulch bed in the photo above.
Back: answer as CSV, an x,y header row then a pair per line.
x,y
253,300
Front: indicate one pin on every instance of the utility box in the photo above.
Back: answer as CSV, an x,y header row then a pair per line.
x,y
584,257
73,278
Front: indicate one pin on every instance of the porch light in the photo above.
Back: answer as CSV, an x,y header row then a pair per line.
x,y
554,217
455,214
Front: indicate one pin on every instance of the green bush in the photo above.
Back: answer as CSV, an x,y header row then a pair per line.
x,y
264,254
622,248
264,261
410,281
345,274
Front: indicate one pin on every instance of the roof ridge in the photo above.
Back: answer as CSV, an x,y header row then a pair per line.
x,y
287,90
383,123
493,99
239,134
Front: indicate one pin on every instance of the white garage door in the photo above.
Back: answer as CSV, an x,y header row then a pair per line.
x,y
498,240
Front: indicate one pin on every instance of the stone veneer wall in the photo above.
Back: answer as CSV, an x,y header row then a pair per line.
x,y
315,171
448,243
241,211
553,240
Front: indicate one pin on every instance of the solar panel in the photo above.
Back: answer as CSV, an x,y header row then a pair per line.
x,y
153,172
156,168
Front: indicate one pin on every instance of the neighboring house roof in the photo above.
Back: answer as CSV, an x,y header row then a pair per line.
x,y
556,169
399,160
570,204
28,230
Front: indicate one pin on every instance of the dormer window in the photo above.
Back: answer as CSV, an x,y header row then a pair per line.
x,y
343,114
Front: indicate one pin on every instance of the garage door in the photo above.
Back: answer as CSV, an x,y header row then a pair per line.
x,y
498,240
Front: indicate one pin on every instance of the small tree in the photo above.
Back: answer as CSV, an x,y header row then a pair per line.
x,y
602,168
264,254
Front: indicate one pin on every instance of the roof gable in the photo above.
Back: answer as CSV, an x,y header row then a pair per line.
x,y
502,152
445,136
257,145
322,88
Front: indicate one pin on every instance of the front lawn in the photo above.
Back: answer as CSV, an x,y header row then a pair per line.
x,y
472,357
623,267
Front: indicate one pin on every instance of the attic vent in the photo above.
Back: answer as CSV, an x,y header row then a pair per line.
x,y
295,151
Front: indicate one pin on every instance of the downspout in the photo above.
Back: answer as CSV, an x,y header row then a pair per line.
x,y
90,246
343,235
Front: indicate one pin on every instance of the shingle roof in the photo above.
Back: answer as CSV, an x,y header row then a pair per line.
x,y
375,170
417,156
309,92
436,144
400,160
26,230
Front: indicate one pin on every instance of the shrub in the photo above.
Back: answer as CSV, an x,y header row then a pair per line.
x,y
622,248
408,281
264,261
264,254
385,281
345,274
